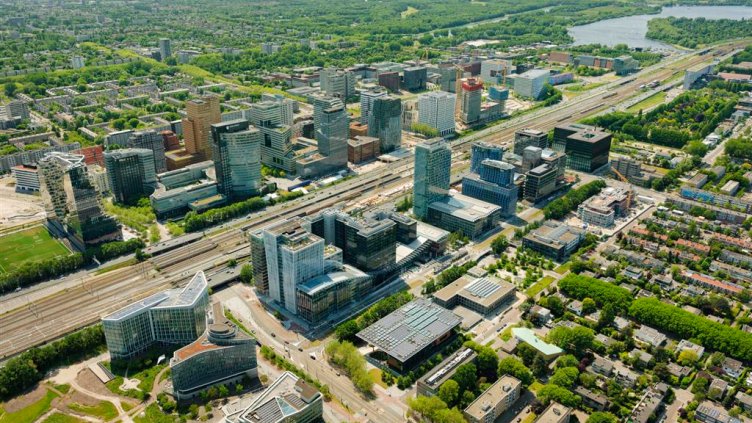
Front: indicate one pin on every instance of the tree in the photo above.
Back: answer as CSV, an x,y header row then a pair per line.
x,y
565,377
602,417
246,274
687,357
574,340
487,362
467,398
514,367
555,304
588,306
608,314
223,391
10,88
539,367
347,330
449,392
426,407
466,376
452,415
499,244
564,396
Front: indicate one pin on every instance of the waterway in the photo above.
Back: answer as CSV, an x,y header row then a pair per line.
x,y
631,30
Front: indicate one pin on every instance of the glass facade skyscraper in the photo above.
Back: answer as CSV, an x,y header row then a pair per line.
x,y
177,316
385,122
433,161
130,173
237,158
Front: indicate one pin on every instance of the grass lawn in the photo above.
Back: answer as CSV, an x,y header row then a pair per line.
x,y
31,413
62,418
153,414
104,410
64,388
120,265
530,418
535,386
564,268
30,244
376,376
146,378
539,286
506,334
585,87
648,103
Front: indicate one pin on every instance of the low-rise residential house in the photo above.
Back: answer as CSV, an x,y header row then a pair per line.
x,y
717,388
732,368
711,412
602,366
648,407
633,272
744,400
678,371
642,358
590,399
689,345
665,282
540,315
650,336
575,307
621,323
625,377
605,340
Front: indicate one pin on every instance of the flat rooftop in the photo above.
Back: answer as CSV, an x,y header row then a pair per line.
x,y
464,207
410,329
555,413
492,396
170,298
528,336
485,291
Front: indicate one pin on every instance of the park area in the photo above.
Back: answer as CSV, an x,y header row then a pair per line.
x,y
29,244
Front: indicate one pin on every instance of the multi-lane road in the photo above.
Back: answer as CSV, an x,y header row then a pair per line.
x,y
47,316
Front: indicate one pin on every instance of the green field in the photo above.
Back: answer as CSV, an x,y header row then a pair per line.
x,y
29,244
650,102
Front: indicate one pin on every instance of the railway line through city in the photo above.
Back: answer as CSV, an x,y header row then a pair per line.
x,y
49,318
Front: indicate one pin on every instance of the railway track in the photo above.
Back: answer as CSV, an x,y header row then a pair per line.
x,y
54,316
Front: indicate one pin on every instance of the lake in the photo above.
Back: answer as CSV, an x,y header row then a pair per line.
x,y
631,30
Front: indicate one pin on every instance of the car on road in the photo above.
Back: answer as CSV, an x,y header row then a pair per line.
x,y
312,355
300,349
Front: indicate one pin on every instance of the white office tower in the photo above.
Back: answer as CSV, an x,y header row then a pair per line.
x,y
436,109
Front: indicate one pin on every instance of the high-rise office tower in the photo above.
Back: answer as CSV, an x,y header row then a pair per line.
x,y
332,125
366,102
72,201
586,147
471,93
433,161
153,141
494,183
385,122
272,112
414,78
529,138
481,151
337,83
200,115
287,107
368,243
292,256
165,50
436,109
448,79
237,158
131,175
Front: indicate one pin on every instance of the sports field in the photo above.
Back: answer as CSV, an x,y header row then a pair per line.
x,y
29,244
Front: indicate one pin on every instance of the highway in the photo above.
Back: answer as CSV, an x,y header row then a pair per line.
x,y
43,319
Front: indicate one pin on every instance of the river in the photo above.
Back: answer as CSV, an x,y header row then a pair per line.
x,y
631,30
